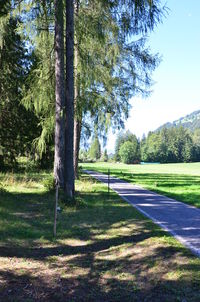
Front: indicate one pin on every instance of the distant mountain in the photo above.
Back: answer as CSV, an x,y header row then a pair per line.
x,y
190,121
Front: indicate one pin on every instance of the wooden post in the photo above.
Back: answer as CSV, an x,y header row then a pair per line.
x,y
55,213
108,181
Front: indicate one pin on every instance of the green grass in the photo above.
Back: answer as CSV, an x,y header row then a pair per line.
x,y
179,181
104,250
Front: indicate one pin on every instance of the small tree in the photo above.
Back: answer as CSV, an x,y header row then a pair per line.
x,y
128,153
95,149
105,156
121,139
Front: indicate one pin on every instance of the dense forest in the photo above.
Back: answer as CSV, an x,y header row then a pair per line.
x,y
168,145
173,145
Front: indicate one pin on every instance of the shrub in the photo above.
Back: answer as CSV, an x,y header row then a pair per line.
x,y
49,183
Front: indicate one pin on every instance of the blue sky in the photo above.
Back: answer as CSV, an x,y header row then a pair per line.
x,y
176,91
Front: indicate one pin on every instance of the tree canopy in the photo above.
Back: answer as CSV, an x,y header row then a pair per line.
x,y
172,145
105,63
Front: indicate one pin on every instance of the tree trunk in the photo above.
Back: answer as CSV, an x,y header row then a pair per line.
x,y
69,123
77,117
59,156
77,137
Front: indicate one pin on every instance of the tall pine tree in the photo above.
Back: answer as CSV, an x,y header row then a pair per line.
x,y
69,122
59,157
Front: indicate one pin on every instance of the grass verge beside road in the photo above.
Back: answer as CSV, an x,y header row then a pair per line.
x,y
178,181
104,251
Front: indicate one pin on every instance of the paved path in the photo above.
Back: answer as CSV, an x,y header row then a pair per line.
x,y
181,220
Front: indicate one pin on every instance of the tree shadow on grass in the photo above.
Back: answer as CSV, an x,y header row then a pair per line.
x,y
25,216
160,178
184,188
88,277
115,254
29,217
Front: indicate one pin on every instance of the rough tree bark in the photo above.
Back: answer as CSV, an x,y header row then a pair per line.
x,y
77,137
78,115
69,123
59,156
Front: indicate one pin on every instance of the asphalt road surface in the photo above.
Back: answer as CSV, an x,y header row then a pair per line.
x,y
179,219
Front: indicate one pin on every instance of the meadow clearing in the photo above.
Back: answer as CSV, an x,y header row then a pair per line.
x,y
178,181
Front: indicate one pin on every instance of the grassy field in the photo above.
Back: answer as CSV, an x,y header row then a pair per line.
x,y
179,181
104,251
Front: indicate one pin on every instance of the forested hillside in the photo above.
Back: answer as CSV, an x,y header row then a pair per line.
x,y
190,121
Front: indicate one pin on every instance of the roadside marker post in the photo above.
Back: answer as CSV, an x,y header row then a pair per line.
x,y
108,181
55,213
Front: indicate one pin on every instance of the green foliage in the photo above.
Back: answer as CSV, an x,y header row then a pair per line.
x,y
4,7
175,144
113,65
95,149
83,155
121,139
31,166
105,156
49,183
18,126
196,144
2,188
128,152
39,88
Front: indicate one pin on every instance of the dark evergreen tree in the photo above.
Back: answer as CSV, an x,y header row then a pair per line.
x,y
105,156
4,7
39,92
168,146
95,149
196,145
18,126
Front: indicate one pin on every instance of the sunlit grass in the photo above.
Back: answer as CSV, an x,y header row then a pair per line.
x,y
180,168
179,181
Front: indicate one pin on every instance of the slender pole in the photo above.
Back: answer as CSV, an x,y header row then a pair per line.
x,y
108,181
55,213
